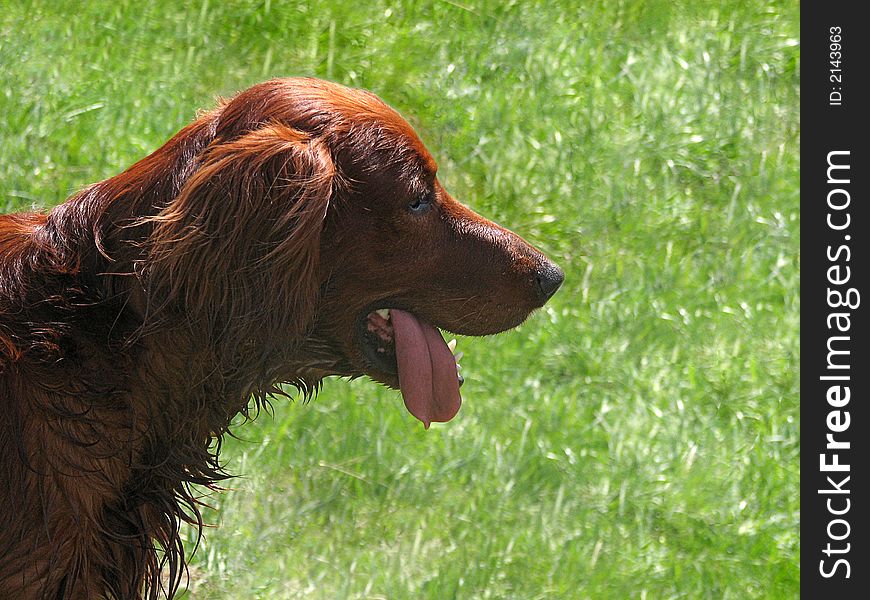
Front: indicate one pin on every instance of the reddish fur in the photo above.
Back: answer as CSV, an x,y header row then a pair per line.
x,y
141,315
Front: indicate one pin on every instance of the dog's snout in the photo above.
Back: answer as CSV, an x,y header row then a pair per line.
x,y
548,279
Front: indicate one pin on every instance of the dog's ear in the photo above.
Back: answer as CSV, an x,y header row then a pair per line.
x,y
235,255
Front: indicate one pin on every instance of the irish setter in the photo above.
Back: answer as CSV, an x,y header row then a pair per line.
x,y
296,231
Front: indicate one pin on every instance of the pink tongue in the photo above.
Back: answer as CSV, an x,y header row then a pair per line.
x,y
427,371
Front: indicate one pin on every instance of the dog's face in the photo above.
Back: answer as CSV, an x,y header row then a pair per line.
x,y
401,258
314,236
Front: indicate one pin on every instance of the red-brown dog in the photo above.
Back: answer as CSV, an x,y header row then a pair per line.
x,y
295,232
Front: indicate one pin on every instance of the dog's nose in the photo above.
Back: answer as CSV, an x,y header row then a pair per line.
x,y
548,279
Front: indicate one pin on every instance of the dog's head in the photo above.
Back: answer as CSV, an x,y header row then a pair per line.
x,y
316,215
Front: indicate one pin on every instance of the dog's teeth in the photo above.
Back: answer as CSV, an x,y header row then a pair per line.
x,y
452,344
384,313
458,356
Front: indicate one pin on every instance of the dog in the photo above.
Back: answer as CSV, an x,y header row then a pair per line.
x,y
297,231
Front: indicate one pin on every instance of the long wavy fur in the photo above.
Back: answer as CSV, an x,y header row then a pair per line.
x,y
137,319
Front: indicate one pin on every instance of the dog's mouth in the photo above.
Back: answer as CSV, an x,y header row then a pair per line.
x,y
411,353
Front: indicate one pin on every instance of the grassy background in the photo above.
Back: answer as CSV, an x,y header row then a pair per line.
x,y
638,438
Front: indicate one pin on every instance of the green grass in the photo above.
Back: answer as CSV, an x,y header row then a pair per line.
x,y
639,437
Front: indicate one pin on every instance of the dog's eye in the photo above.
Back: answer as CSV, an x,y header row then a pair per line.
x,y
421,203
